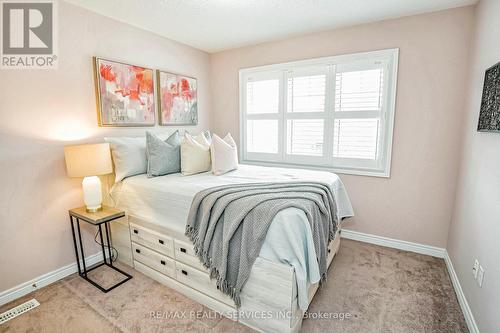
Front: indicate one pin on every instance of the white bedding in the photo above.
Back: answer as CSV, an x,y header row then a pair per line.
x,y
166,201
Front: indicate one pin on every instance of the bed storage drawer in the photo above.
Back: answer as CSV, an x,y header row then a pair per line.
x,y
184,252
333,248
200,281
155,260
152,239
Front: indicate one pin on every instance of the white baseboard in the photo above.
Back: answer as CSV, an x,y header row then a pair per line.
x,y
422,249
44,280
464,305
394,243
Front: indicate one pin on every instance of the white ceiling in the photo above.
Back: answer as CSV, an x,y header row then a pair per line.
x,y
215,25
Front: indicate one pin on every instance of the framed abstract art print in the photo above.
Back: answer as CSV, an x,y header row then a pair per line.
x,y
125,94
177,99
489,116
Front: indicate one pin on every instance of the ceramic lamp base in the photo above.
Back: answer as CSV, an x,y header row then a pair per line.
x,y
92,193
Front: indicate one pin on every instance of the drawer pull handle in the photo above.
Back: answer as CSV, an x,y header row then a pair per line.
x,y
162,262
184,272
137,250
161,241
183,250
136,231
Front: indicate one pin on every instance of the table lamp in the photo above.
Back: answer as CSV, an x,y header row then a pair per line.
x,y
89,161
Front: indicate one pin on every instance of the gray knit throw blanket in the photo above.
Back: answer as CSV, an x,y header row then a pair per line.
x,y
228,225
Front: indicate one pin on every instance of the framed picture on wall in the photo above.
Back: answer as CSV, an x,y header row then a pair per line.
x,y
125,94
489,116
177,99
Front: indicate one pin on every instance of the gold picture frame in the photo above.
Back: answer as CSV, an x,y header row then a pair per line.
x,y
125,94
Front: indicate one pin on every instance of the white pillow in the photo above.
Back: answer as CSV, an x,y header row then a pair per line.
x,y
129,156
195,154
224,154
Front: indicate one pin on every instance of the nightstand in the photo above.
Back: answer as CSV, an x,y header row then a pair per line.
x,y
102,217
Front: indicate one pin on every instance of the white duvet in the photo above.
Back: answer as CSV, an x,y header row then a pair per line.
x,y
166,201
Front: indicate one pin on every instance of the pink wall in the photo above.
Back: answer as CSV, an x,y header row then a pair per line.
x,y
415,204
475,229
43,110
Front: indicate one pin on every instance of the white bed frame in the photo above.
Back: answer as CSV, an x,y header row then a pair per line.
x,y
168,257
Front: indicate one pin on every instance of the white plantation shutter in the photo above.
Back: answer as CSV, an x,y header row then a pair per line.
x,y
305,111
333,113
262,103
263,96
262,136
355,138
306,93
305,137
358,104
359,90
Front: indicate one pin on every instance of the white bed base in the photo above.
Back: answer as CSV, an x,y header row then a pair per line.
x,y
268,300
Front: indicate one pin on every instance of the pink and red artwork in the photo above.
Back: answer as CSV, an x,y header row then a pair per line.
x,y
177,99
125,94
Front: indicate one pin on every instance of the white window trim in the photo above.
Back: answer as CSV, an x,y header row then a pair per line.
x,y
389,55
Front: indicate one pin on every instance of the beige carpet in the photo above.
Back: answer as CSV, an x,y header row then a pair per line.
x,y
376,289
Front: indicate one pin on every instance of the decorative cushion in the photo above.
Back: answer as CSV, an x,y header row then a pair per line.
x,y
224,154
195,154
129,156
206,134
164,156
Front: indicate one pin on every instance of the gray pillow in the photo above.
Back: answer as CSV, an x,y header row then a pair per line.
x,y
164,157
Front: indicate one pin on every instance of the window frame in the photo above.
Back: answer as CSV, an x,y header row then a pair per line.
x,y
381,167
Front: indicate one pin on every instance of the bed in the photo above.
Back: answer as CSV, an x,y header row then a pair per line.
x,y
283,279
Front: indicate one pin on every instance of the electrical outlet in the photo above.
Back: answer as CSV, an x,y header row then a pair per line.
x,y
480,276
475,268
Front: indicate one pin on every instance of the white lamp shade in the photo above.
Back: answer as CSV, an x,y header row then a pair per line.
x,y
88,160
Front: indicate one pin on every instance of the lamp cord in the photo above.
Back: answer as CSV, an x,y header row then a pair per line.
x,y
114,252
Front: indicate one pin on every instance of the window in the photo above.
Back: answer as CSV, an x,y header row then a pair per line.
x,y
334,113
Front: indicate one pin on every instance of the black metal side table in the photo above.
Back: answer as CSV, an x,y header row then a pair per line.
x,y
104,216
